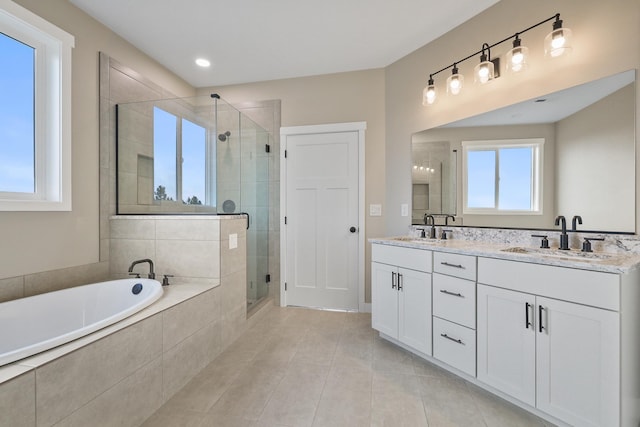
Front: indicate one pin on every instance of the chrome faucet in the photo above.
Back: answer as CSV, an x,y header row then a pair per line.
x,y
151,275
564,238
432,232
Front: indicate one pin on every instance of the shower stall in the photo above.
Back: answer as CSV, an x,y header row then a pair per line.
x,y
197,156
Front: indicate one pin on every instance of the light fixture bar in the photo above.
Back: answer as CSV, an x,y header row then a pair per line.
x,y
556,17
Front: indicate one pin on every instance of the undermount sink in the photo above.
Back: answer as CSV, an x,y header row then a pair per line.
x,y
577,255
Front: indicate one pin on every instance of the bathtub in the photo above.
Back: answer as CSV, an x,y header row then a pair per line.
x,y
34,324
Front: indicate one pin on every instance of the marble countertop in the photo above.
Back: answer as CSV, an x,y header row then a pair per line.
x,y
595,261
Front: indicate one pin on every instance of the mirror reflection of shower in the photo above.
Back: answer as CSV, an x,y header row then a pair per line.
x,y
223,136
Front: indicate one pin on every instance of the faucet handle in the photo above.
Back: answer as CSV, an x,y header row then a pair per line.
x,y
443,236
423,233
165,280
545,241
586,245
135,274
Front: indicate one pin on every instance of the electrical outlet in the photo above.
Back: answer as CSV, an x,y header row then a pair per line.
x,y
404,209
233,241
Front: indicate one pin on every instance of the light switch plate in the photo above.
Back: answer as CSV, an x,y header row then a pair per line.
x,y
233,241
404,209
375,210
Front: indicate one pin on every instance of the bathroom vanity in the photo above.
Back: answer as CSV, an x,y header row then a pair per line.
x,y
557,333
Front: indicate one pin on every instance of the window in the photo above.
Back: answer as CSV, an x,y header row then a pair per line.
x,y
35,112
503,177
179,160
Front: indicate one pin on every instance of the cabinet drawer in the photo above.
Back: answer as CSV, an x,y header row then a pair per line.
x,y
454,299
411,258
455,345
457,265
593,288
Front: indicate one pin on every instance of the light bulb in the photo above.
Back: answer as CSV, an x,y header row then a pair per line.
x,y
455,81
558,41
429,93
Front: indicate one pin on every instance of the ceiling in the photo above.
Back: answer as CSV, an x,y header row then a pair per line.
x,y
259,40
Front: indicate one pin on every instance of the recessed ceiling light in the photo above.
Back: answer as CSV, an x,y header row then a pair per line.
x,y
203,62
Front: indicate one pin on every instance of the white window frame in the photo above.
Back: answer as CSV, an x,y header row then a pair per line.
x,y
537,169
53,48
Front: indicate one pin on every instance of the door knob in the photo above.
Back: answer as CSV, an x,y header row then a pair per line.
x,y
353,229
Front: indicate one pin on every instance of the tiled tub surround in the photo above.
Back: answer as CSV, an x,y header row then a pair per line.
x,y
120,374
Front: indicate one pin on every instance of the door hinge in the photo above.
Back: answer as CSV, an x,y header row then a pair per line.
x,y
285,286
267,148
268,278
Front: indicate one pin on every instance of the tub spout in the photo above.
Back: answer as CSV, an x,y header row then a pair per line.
x,y
151,275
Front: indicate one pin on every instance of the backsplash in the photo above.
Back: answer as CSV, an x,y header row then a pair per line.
x,y
613,243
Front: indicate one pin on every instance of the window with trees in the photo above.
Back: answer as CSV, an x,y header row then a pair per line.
x,y
180,160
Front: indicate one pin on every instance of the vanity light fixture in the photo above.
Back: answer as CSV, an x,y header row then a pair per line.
x,y
557,43
429,93
455,81
484,71
517,57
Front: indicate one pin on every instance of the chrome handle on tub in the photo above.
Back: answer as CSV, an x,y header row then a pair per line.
x,y
451,339
452,265
459,295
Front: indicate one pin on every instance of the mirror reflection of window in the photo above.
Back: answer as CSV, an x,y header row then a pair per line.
x,y
503,176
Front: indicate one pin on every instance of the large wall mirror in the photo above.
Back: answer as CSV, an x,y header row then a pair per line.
x,y
587,159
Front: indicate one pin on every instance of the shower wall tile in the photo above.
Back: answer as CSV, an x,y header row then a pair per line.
x,y
11,288
188,258
188,229
17,401
138,229
99,367
124,251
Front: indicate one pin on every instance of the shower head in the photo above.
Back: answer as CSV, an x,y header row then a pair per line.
x,y
223,136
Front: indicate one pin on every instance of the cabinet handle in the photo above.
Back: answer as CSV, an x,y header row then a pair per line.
x,y
452,265
444,291
400,280
526,311
393,279
540,327
451,339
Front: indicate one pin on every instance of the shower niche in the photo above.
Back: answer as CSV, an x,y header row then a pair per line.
x,y
197,156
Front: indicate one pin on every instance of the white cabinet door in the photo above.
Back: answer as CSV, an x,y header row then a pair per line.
x,y
384,299
578,363
415,309
506,347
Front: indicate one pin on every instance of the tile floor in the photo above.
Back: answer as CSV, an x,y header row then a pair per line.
x,y
299,367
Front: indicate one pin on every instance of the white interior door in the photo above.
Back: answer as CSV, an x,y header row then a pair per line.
x,y
322,220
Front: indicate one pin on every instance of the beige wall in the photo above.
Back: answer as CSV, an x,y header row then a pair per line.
x,y
39,241
334,98
606,41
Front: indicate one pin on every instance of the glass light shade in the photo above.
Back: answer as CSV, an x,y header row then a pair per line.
x,y
517,59
455,83
429,95
484,72
558,42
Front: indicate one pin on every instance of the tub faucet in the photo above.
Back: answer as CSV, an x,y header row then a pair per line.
x,y
151,275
